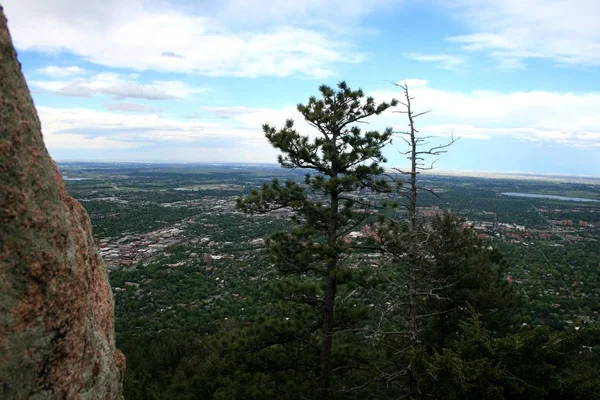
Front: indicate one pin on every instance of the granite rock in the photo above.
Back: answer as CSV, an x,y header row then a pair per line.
x,y
56,307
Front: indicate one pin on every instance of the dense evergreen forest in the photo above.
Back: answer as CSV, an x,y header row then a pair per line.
x,y
355,293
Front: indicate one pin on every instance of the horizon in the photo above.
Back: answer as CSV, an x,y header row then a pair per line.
x,y
173,79
589,179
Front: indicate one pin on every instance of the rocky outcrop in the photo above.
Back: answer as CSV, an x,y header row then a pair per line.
x,y
56,306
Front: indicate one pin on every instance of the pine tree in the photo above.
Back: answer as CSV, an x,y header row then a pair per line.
x,y
475,283
342,162
534,363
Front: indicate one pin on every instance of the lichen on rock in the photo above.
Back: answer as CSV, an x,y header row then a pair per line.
x,y
56,307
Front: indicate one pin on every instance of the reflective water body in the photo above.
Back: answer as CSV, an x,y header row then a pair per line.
x,y
548,196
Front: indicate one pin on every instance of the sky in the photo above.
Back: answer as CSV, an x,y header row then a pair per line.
x,y
517,81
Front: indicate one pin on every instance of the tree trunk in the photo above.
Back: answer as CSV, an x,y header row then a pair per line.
x,y
329,298
413,330
327,338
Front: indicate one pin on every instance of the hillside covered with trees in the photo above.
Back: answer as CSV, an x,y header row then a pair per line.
x,y
344,280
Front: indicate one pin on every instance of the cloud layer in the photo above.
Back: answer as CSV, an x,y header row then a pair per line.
x,y
61,72
155,35
446,61
130,107
512,31
117,86
570,119
564,118
179,75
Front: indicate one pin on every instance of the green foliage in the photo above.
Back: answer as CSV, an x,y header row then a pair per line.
x,y
469,277
533,364
255,332
343,161
457,275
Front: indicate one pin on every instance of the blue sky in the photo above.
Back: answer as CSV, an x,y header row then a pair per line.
x,y
193,80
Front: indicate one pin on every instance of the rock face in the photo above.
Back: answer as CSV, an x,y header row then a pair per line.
x,y
56,306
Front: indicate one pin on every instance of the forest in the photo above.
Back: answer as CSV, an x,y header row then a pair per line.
x,y
335,277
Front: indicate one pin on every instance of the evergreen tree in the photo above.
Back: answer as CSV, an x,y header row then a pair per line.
x,y
536,363
342,161
472,280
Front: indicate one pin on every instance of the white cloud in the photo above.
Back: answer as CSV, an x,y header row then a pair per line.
x,y
80,142
153,137
567,118
227,112
171,54
119,87
158,36
59,124
312,13
61,72
566,31
445,61
256,117
242,128
130,107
